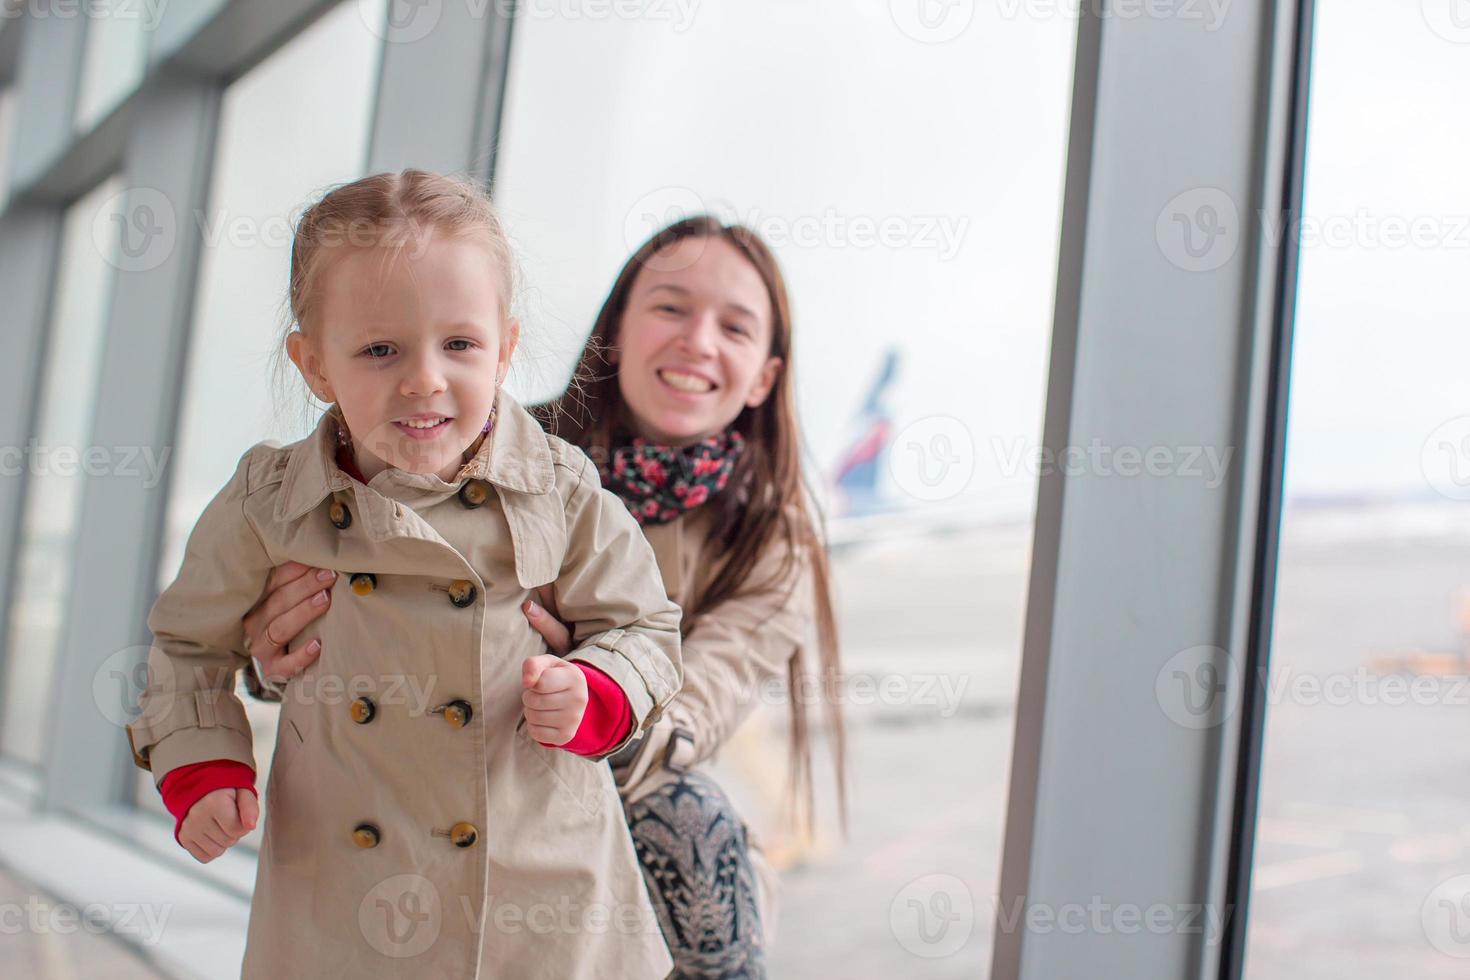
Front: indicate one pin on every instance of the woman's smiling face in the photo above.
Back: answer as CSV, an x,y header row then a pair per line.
x,y
410,347
694,342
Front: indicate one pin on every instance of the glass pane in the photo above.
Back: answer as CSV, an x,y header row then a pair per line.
x,y
297,123
46,552
907,170
117,48
1363,844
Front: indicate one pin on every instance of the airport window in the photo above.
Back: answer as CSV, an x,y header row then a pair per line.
x,y
115,56
1362,841
53,496
915,212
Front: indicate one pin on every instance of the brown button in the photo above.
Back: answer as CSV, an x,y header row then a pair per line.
x,y
363,710
458,713
365,835
363,583
464,834
462,593
474,493
340,515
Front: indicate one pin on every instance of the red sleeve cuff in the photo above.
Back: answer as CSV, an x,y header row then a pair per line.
x,y
187,785
608,717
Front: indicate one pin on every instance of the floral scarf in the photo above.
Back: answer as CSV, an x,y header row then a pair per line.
x,y
658,483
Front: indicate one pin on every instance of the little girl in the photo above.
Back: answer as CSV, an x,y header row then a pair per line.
x,y
435,807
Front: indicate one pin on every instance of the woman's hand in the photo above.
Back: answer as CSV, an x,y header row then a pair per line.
x,y
217,822
558,637
295,595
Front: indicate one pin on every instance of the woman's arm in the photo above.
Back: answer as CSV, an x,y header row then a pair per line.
x,y
736,656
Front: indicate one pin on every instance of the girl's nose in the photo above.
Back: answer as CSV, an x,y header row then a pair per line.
x,y
424,377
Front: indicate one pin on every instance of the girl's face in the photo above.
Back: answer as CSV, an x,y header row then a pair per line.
x,y
694,342
411,351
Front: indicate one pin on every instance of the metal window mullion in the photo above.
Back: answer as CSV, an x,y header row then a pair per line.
x,y
1114,803
166,170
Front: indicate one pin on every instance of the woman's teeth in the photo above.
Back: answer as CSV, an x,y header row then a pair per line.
x,y
685,382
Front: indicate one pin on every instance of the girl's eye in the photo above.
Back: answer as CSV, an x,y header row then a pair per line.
x,y
378,350
467,344
737,328
666,308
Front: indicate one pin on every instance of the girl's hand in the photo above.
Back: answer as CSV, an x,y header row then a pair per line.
x,y
554,694
558,638
217,822
295,595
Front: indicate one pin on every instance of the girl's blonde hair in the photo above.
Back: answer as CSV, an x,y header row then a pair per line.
x,y
398,212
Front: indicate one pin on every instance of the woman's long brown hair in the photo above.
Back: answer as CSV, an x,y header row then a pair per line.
x,y
766,499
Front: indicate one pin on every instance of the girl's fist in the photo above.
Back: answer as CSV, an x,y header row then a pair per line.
x,y
554,694
217,822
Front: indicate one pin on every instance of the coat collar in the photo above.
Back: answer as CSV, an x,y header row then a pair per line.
x,y
515,456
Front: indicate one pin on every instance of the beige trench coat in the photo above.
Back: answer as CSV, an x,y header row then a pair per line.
x,y
400,839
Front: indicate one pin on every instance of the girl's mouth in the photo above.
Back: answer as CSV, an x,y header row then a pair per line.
x,y
423,429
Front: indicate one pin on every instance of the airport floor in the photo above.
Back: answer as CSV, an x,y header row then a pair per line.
x,y
43,939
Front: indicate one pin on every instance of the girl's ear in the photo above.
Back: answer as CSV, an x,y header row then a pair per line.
x,y
763,385
510,335
303,354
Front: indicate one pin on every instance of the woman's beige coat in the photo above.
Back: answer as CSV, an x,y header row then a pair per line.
x,y
736,656
496,857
